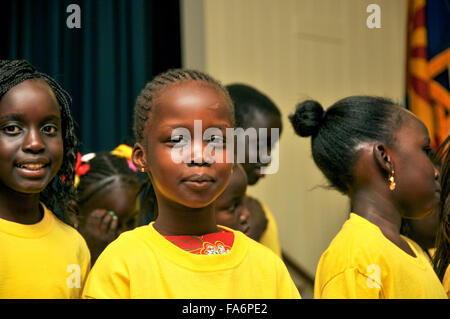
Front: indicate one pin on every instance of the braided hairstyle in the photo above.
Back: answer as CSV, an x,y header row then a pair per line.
x,y
441,258
145,100
58,195
105,169
336,133
152,90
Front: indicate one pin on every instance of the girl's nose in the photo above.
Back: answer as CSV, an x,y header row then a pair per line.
x,y
197,154
33,142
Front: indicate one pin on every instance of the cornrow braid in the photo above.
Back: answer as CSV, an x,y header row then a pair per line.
x,y
105,169
58,195
144,102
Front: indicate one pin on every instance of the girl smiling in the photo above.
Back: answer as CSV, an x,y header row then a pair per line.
x,y
41,256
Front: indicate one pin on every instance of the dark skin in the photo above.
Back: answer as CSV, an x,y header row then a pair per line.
x,y
424,231
257,220
107,214
230,209
260,119
185,192
370,195
31,149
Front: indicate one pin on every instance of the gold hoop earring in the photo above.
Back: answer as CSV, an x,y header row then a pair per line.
x,y
392,181
142,170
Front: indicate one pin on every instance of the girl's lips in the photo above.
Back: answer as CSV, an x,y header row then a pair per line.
x,y
198,182
198,178
32,166
32,170
198,185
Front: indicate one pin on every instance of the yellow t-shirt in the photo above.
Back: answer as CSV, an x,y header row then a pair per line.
x,y
269,238
141,263
362,263
48,260
446,281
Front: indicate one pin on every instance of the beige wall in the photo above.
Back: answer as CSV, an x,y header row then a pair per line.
x,y
292,50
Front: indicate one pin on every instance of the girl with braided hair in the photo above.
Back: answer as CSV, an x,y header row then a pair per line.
x,y
376,153
108,192
184,253
41,255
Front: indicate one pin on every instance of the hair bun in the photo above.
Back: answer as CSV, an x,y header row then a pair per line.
x,y
307,118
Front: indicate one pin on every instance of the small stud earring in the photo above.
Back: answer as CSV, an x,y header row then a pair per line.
x,y
392,181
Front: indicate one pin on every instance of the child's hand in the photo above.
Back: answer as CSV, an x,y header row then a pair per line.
x,y
99,229
257,220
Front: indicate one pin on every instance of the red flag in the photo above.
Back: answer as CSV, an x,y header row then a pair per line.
x,y
428,61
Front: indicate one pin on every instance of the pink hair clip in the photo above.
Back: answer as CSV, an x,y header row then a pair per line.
x,y
131,166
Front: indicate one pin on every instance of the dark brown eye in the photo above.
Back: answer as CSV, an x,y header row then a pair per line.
x,y
12,129
50,129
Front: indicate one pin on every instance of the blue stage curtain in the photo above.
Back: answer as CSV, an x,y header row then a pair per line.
x,y
103,65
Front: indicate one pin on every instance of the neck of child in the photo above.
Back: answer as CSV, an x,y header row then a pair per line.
x,y
378,210
19,207
175,220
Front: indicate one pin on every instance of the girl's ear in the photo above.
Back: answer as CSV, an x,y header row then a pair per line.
x,y
382,158
138,157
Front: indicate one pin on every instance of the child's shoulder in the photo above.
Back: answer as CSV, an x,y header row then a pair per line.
x,y
132,242
69,233
357,243
255,249
133,237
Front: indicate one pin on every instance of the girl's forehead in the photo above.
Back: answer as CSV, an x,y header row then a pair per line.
x,y
34,94
412,129
34,84
191,101
413,123
191,92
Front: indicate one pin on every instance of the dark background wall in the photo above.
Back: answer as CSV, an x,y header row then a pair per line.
x,y
103,65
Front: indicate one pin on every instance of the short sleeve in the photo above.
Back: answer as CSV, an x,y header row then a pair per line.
x,y
350,284
270,237
108,279
85,261
287,288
